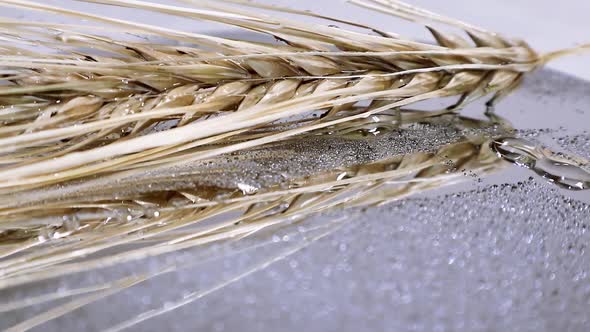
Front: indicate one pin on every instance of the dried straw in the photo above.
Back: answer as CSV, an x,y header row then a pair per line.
x,y
76,115
82,131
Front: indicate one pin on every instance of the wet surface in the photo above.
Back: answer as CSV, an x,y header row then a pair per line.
x,y
488,259
566,171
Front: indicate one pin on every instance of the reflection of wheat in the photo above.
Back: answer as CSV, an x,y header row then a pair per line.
x,y
99,221
173,228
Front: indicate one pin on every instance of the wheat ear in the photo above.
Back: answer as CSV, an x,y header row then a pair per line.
x,y
77,115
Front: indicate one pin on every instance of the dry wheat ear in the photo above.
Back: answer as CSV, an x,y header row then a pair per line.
x,y
116,148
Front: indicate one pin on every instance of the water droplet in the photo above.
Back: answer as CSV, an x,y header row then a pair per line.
x,y
247,189
71,223
563,171
46,234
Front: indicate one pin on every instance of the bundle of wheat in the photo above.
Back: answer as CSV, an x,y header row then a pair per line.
x,y
104,149
70,116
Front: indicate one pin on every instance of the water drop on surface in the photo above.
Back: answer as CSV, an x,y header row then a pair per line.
x,y
247,189
71,223
549,165
46,234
